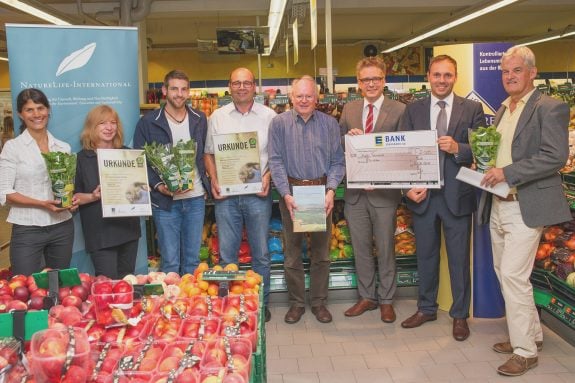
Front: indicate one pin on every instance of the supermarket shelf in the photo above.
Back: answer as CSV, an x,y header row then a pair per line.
x,y
344,279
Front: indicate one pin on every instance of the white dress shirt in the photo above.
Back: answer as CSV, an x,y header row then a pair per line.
x,y
435,109
23,170
228,119
376,108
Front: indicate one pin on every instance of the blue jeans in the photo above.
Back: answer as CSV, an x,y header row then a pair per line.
x,y
180,234
232,213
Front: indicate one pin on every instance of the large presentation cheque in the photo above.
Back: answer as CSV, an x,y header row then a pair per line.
x,y
237,157
398,160
124,183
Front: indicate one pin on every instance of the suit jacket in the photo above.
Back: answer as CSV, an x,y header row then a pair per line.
x,y
465,114
540,148
387,121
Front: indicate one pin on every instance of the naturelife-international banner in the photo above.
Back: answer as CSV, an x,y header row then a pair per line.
x,y
78,68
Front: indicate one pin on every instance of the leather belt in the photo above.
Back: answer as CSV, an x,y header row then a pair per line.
x,y
509,198
314,182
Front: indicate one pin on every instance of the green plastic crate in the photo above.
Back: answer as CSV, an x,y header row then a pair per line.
x,y
556,306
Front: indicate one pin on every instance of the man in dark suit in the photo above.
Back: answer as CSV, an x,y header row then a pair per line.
x,y
449,207
370,213
533,147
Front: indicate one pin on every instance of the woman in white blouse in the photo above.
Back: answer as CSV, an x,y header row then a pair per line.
x,y
42,232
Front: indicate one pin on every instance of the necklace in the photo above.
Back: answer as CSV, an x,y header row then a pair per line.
x,y
174,118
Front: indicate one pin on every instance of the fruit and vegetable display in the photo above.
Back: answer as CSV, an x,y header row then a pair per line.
x,y
340,243
556,252
106,330
404,234
62,171
484,145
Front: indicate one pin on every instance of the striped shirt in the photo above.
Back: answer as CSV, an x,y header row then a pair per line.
x,y
305,150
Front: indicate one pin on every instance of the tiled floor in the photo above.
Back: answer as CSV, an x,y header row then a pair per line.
x,y
364,349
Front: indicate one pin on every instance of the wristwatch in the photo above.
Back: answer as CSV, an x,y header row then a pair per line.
x,y
328,189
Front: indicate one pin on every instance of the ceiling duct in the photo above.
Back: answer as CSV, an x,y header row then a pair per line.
x,y
130,15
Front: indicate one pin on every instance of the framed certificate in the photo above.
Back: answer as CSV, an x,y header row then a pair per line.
x,y
395,160
124,183
237,157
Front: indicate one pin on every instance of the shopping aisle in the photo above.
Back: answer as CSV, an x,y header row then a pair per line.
x,y
364,349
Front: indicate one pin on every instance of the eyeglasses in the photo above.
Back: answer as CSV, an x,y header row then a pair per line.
x,y
238,84
373,80
301,97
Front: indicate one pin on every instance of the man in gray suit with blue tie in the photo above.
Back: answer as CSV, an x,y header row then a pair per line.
x,y
452,205
533,147
370,213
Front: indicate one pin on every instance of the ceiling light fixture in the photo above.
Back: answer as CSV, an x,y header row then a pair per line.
x,y
553,35
275,17
3,58
467,15
35,10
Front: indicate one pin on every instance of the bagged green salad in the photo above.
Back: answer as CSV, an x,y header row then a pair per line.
x,y
185,159
484,145
161,158
62,171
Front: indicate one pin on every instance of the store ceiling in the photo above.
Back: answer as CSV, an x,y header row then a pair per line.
x,y
181,23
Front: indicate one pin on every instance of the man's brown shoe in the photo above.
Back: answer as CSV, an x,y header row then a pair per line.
x,y
294,314
517,365
418,319
387,313
321,314
360,307
460,329
506,348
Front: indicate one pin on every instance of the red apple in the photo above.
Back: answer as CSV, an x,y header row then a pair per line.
x,y
215,356
30,280
16,305
40,293
32,287
5,290
72,300
21,293
102,287
70,315
234,377
241,347
81,292
36,303
122,287
168,364
63,292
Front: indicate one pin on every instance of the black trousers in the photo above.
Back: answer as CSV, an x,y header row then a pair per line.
x,y
116,261
34,247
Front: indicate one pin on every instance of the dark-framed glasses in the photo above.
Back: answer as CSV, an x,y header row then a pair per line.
x,y
238,84
372,80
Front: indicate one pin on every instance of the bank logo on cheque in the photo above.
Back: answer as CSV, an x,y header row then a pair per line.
x,y
378,140
76,59
253,142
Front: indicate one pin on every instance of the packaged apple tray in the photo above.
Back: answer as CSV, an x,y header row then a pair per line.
x,y
203,339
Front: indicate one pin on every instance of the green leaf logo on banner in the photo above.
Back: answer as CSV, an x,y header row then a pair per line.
x,y
76,59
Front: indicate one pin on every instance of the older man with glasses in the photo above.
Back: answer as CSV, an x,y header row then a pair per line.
x,y
252,210
305,149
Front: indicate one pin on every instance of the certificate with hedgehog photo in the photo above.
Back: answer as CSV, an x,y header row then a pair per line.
x,y
237,157
124,183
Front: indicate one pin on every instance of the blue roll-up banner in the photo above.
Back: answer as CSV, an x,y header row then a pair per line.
x,y
78,68
487,299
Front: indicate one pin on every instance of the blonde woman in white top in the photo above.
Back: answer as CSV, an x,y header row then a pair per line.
x,y
42,232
